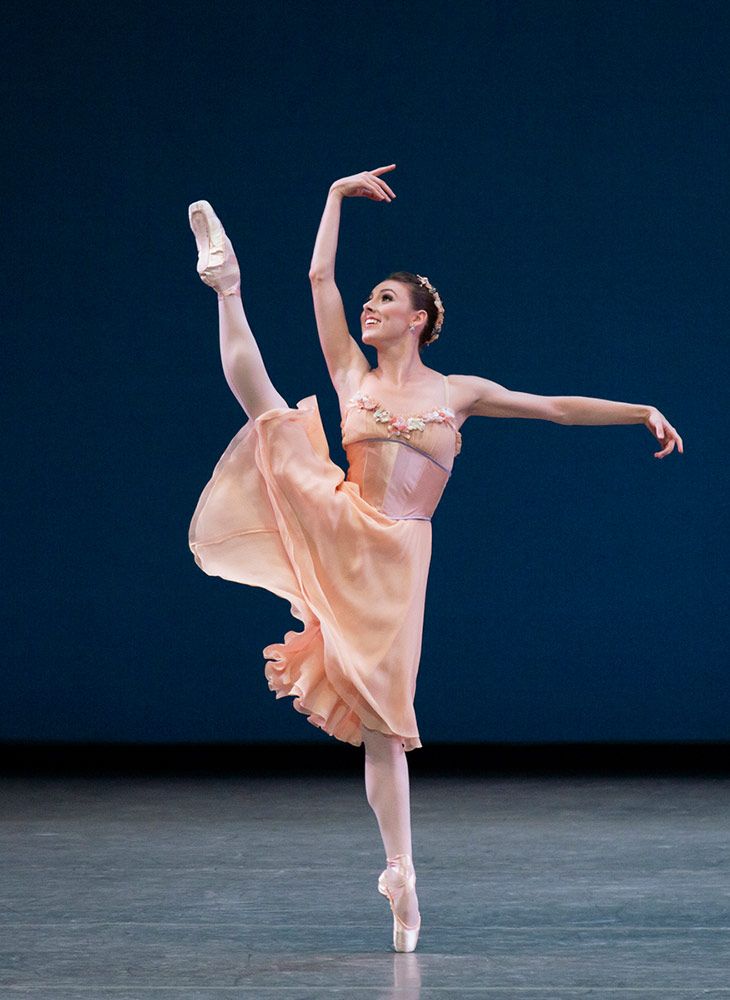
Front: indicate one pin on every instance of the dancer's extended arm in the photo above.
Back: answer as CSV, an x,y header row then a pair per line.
x,y
341,351
490,399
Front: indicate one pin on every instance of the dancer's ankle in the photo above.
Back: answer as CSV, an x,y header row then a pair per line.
x,y
234,292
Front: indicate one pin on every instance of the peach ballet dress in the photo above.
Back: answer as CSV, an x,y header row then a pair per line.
x,y
350,552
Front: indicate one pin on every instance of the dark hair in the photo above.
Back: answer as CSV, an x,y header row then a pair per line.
x,y
421,298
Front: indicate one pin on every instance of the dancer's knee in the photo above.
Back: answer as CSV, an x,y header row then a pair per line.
x,y
271,401
381,745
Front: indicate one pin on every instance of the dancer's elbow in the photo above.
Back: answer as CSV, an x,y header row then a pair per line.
x,y
322,274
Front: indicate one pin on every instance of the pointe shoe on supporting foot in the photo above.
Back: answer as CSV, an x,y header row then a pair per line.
x,y
217,264
405,937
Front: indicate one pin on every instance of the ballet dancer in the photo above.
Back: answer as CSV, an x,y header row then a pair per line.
x,y
352,552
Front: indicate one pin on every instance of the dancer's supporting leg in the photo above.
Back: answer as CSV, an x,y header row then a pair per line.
x,y
388,792
243,365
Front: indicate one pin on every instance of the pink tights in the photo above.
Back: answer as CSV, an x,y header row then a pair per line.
x,y
243,365
388,792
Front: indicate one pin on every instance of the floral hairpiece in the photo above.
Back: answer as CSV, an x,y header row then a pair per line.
x,y
439,306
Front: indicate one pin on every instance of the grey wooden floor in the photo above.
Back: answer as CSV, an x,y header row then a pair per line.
x,y
220,887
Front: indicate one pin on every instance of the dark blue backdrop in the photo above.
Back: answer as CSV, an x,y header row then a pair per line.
x,y
561,178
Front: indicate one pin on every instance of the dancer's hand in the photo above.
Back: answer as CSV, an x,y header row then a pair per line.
x,y
663,431
366,184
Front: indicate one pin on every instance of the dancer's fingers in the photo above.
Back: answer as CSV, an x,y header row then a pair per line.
x,y
378,193
386,187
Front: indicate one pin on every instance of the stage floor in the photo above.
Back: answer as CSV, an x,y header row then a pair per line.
x,y
208,887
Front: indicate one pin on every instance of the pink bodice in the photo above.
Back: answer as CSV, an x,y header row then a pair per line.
x,y
400,464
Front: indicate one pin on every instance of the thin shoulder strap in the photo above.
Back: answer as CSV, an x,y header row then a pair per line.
x,y
446,387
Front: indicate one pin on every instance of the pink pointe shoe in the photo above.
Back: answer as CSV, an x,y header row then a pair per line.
x,y
405,938
217,264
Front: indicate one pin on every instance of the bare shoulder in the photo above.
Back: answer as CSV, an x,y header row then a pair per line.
x,y
474,396
463,395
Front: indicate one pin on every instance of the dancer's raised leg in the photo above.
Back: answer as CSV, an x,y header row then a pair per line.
x,y
242,362
217,266
388,792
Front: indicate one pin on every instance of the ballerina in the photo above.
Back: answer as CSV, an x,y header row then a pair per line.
x,y
351,551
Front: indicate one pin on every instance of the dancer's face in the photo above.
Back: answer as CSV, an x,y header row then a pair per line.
x,y
389,304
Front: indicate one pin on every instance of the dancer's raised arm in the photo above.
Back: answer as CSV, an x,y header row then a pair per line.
x,y
341,351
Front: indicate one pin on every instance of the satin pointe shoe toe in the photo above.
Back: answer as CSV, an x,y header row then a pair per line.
x,y
405,937
217,264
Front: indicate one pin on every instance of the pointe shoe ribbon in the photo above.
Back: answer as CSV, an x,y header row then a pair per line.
x,y
217,264
405,937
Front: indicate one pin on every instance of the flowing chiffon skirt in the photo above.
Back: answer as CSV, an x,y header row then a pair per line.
x,y
278,513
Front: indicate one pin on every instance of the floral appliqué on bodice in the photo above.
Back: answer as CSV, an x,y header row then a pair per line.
x,y
402,426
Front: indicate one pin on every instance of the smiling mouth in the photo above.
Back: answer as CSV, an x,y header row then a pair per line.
x,y
372,322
